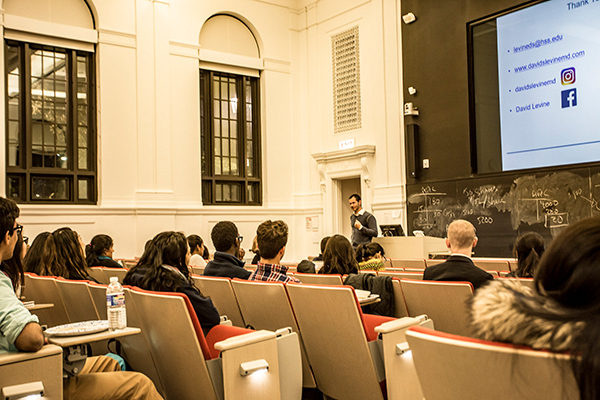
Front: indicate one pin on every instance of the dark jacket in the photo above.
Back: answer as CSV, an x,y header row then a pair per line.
x,y
381,285
207,314
457,268
103,261
226,265
368,231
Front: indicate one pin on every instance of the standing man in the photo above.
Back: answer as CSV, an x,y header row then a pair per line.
x,y
364,224
459,266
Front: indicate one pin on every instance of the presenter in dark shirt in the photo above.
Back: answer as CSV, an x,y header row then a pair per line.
x,y
459,266
364,224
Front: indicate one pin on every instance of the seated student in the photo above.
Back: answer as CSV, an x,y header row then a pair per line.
x,y
459,266
13,267
528,249
322,246
272,237
338,257
562,314
227,261
33,258
370,257
20,331
163,268
256,252
309,267
197,249
100,251
63,256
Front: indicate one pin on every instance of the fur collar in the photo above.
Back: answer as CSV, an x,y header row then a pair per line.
x,y
498,314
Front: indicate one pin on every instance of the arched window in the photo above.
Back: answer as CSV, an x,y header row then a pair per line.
x,y
229,114
50,101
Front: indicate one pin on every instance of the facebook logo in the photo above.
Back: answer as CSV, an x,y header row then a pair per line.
x,y
569,98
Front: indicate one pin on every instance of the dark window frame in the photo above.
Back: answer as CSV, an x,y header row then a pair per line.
x,y
249,178
24,172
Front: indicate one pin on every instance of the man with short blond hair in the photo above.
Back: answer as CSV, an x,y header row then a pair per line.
x,y
460,240
272,237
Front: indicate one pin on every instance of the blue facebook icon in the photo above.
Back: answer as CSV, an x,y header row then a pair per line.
x,y
569,98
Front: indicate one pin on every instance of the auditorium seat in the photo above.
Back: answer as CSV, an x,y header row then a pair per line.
x,y
402,275
43,290
340,341
409,263
221,293
452,367
443,302
191,366
98,274
319,279
44,365
265,305
489,264
77,300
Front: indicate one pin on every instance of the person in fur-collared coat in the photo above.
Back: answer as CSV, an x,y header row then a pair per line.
x,y
561,314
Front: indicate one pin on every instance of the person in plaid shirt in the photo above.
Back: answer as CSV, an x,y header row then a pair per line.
x,y
272,237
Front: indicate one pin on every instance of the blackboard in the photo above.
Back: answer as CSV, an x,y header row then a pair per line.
x,y
502,207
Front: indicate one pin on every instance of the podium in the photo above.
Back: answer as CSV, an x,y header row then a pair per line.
x,y
411,246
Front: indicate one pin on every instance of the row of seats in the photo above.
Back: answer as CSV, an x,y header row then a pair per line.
x,y
338,342
172,349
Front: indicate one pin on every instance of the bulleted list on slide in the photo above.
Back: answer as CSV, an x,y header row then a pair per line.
x,y
549,85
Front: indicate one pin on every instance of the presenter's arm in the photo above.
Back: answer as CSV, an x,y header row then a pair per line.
x,y
371,229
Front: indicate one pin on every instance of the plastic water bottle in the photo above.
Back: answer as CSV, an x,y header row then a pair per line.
x,y
115,305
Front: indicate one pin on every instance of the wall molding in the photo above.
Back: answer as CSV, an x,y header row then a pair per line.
x,y
271,64
184,50
117,38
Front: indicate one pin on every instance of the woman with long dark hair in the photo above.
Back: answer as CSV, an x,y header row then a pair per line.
x,y
164,268
100,251
63,256
529,247
338,257
33,258
562,313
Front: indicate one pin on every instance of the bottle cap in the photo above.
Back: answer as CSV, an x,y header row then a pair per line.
x,y
114,279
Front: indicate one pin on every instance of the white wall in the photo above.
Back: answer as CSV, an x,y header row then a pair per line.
x,y
148,123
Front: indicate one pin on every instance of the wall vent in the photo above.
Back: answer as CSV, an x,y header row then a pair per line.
x,y
346,81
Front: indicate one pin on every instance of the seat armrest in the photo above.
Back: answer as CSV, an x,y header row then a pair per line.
x,y
46,350
401,323
244,340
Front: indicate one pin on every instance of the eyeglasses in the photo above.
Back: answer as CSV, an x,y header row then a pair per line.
x,y
18,228
240,238
25,240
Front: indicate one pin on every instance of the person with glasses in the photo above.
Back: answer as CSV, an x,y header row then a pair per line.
x,y
227,261
100,377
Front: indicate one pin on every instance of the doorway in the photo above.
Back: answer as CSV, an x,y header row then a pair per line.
x,y
347,187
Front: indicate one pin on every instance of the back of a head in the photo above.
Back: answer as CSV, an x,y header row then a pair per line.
x,y
461,234
569,273
338,257
271,236
529,247
223,235
63,255
167,248
98,245
365,252
569,270
33,258
9,212
194,241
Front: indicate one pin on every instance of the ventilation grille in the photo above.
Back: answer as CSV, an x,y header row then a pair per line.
x,y
346,81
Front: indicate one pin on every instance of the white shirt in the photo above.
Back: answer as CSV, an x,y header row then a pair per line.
x,y
197,261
